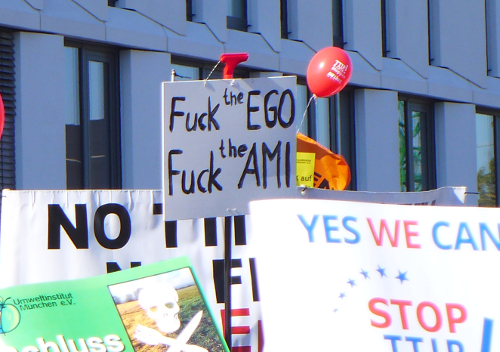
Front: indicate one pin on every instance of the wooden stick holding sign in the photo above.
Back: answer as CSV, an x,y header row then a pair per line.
x,y
231,61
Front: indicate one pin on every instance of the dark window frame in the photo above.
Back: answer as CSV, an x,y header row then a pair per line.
x,y
189,11
284,19
385,33
432,8
343,142
428,153
496,137
110,56
338,23
491,39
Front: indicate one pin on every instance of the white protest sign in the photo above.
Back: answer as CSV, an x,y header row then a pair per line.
x,y
52,235
227,142
350,276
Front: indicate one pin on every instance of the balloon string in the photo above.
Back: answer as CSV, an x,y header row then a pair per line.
x,y
305,112
206,79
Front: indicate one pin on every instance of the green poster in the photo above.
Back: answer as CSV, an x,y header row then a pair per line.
x,y
157,307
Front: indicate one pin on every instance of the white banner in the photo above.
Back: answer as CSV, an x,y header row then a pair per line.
x,y
227,142
58,235
440,196
351,276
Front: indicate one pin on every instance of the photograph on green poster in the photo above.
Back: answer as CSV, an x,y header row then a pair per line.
x,y
165,311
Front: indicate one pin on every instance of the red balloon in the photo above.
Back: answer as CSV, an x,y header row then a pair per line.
x,y
2,116
329,71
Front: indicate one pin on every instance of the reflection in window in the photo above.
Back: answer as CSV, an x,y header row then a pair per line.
x,y
416,147
185,73
92,119
96,90
237,15
486,170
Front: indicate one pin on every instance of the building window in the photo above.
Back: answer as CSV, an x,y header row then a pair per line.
x,y
330,122
189,10
338,23
185,73
416,146
384,25
432,31
93,152
188,70
284,19
237,15
342,140
486,137
112,3
491,39
7,90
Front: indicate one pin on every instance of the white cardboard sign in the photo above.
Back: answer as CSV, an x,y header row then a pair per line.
x,y
227,142
353,276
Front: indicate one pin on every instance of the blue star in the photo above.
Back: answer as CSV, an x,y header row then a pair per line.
x,y
365,274
402,277
351,282
381,271
335,310
342,295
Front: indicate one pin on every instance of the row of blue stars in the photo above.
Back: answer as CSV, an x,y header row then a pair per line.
x,y
401,277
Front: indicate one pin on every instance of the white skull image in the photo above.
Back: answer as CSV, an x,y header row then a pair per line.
x,y
161,303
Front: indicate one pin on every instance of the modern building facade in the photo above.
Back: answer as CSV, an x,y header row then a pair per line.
x,y
81,84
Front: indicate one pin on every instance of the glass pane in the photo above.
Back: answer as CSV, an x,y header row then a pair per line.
x,y
402,147
72,86
96,90
485,148
323,122
236,8
186,73
99,133
417,118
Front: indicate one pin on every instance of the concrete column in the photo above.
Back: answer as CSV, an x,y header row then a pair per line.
x,y
141,75
456,147
377,142
40,111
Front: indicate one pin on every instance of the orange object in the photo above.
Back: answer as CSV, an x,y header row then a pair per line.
x,y
330,170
